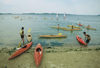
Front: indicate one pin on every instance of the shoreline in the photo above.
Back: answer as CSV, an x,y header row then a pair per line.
x,y
51,47
53,57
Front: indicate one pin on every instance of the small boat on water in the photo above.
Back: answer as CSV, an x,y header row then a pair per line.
x,y
73,26
80,24
90,28
29,37
57,17
53,36
64,16
66,29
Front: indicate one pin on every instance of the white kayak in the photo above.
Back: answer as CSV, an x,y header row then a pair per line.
x,y
29,37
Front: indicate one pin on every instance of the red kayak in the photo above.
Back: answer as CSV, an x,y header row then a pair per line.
x,y
38,54
20,51
80,40
80,24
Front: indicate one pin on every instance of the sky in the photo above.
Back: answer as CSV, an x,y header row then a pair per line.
x,y
84,7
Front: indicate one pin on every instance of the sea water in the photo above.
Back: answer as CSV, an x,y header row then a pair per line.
x,y
40,24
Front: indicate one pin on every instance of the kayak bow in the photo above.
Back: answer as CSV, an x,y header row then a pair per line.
x,y
80,40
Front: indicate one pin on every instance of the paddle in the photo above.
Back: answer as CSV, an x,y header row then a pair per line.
x,y
19,45
59,33
29,30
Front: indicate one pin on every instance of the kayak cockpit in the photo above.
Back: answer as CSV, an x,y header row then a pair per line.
x,y
38,50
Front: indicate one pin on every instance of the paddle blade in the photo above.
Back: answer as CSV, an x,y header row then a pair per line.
x,y
29,30
19,45
59,33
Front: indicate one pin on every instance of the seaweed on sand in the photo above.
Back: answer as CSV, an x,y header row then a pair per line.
x,y
10,52
97,49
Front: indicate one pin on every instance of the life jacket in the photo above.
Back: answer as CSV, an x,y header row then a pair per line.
x,y
88,37
21,32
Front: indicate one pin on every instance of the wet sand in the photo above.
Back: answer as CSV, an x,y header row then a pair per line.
x,y
53,57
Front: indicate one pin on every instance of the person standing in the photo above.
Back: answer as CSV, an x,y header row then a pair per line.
x,y
58,27
88,26
22,34
72,27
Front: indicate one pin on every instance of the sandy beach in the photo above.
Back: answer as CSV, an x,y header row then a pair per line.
x,y
60,26
53,57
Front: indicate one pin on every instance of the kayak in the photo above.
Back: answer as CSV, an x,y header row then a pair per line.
x,y
38,53
73,26
66,29
80,40
29,37
90,28
20,51
63,28
52,36
73,29
80,24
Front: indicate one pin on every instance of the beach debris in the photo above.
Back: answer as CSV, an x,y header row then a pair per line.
x,y
89,49
48,51
27,52
5,66
18,66
49,47
97,49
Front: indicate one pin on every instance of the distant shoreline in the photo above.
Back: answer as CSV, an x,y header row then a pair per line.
x,y
43,14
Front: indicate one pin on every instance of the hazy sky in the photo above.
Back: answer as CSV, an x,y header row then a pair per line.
x,y
51,6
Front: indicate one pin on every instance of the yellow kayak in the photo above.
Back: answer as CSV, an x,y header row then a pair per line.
x,y
65,29
73,26
53,36
59,27
90,28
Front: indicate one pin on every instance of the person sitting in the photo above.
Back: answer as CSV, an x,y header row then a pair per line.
x,y
72,27
29,35
22,34
88,26
38,49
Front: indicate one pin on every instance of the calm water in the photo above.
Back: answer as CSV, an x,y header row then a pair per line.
x,y
40,25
